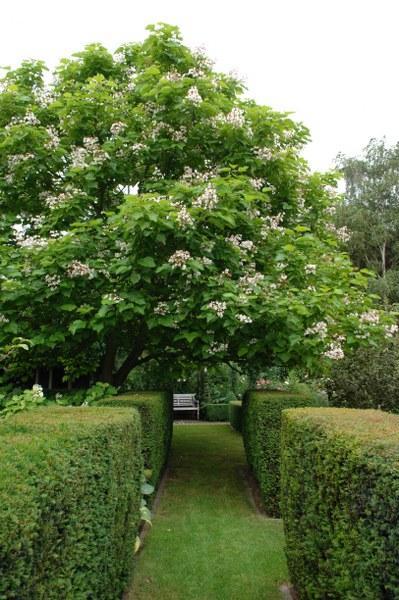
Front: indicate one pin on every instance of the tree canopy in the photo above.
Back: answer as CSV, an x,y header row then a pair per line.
x,y
371,212
151,211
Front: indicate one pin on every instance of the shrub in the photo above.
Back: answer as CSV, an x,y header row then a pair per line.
x,y
69,502
261,427
216,412
156,411
235,414
367,379
340,484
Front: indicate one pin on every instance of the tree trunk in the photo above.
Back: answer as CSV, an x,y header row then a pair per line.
x,y
108,363
128,364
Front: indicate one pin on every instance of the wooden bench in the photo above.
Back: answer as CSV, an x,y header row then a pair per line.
x,y
185,402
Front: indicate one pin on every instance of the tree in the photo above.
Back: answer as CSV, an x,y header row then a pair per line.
x,y
151,212
371,213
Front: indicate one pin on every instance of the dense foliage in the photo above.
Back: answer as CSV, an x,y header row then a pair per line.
x,y
367,379
261,430
235,415
151,211
340,498
69,502
156,412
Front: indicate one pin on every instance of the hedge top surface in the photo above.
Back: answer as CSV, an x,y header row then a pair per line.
x,y
236,402
369,428
278,394
63,418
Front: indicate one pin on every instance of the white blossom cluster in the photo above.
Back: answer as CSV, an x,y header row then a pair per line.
x,y
43,96
371,317
319,329
264,153
204,62
91,149
53,200
183,216
250,280
271,223
173,76
193,176
53,138
52,281
79,269
331,210
237,241
112,297
391,330
30,241
3,319
179,259
257,184
342,233
196,72
37,391
117,128
208,199
16,159
161,309
29,119
193,95
310,269
216,348
235,118
334,351
218,307
243,318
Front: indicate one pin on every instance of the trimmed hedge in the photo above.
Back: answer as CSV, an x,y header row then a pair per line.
x,y
156,411
340,502
69,502
216,412
235,415
261,428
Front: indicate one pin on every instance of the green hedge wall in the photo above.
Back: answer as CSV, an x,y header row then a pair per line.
x,y
261,428
216,412
69,502
340,502
156,411
235,415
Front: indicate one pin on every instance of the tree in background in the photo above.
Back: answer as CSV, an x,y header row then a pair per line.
x,y
371,213
151,212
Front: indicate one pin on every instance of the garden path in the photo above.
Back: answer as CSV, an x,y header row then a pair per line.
x,y
208,541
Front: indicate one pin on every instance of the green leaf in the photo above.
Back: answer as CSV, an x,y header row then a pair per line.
x,y
148,261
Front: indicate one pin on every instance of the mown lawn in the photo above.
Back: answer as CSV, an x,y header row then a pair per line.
x,y
208,542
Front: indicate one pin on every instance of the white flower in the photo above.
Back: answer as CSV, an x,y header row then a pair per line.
x,y
53,138
37,390
79,269
172,76
390,330
371,317
218,307
271,223
78,157
179,259
343,233
184,218
319,329
53,281
244,318
334,351
16,159
208,199
193,176
218,347
3,319
161,309
257,184
114,298
117,128
193,95
264,153
310,269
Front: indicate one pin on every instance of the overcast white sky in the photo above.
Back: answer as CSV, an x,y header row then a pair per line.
x,y
334,63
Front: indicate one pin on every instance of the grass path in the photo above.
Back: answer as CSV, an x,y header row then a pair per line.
x,y
208,542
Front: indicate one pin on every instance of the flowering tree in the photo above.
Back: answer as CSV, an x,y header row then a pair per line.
x,y
150,211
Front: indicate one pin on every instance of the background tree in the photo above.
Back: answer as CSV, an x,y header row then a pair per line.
x,y
151,212
371,213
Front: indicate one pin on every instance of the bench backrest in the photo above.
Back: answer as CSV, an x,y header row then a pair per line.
x,y
184,399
